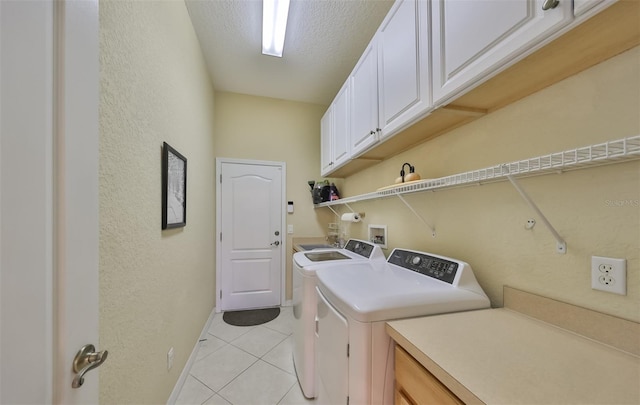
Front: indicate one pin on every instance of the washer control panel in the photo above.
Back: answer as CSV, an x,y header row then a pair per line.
x,y
435,267
362,248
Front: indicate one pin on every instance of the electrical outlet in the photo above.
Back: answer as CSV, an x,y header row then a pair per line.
x,y
289,228
170,359
608,274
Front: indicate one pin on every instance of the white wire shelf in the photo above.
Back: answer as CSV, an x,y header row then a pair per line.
x,y
616,151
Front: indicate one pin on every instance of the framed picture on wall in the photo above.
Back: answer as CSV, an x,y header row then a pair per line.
x,y
174,188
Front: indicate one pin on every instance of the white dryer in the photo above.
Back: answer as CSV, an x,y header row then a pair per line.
x,y
305,265
355,357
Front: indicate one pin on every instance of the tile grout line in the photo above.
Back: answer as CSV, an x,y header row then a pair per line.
x,y
235,378
230,342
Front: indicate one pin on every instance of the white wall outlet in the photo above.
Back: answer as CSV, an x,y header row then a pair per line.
x,y
608,274
170,359
289,228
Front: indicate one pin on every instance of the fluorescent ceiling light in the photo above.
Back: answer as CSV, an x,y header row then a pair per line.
x,y
274,25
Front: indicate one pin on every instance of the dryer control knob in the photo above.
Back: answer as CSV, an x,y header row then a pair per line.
x,y
416,260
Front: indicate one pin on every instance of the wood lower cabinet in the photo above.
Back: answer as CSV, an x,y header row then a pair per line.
x,y
414,385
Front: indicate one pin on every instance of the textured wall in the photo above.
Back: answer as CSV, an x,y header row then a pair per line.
x,y
156,287
260,128
595,210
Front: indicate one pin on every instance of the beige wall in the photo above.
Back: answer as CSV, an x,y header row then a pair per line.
x,y
259,128
156,287
595,210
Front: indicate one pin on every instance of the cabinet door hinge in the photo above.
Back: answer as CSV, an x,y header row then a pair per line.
x,y
220,294
220,236
347,349
347,400
220,178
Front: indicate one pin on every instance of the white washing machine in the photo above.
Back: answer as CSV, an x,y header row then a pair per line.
x,y
355,357
305,265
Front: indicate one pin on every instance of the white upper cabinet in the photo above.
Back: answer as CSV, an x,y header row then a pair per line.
x,y
326,133
341,120
403,66
390,83
421,74
473,39
364,100
334,129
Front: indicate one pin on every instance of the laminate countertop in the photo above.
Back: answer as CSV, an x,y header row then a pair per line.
x,y
500,356
298,241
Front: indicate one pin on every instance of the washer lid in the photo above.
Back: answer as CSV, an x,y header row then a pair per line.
x,y
323,256
355,250
378,291
300,259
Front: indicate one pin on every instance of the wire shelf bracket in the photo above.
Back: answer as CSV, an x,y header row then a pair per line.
x,y
424,221
334,211
561,245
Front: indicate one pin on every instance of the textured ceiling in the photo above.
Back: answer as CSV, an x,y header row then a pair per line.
x,y
325,39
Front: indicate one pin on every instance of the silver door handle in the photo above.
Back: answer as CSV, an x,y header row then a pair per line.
x,y
549,4
87,359
277,243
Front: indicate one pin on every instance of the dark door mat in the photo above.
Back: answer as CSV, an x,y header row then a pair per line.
x,y
251,317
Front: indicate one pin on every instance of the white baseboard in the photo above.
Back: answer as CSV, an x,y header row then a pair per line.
x,y
192,358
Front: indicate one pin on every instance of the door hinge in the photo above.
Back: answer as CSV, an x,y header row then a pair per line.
x,y
220,178
220,236
220,294
347,349
347,400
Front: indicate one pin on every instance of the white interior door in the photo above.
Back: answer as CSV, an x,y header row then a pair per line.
x,y
250,240
48,198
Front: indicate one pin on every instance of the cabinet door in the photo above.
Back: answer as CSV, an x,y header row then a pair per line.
x,y
364,100
415,385
401,399
403,65
474,39
340,137
326,133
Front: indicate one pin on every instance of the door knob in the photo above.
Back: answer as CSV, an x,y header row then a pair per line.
x,y
277,243
549,4
86,359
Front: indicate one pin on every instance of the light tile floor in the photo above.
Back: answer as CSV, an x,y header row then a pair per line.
x,y
245,365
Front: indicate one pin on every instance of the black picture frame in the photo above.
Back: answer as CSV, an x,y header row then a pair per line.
x,y
174,188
